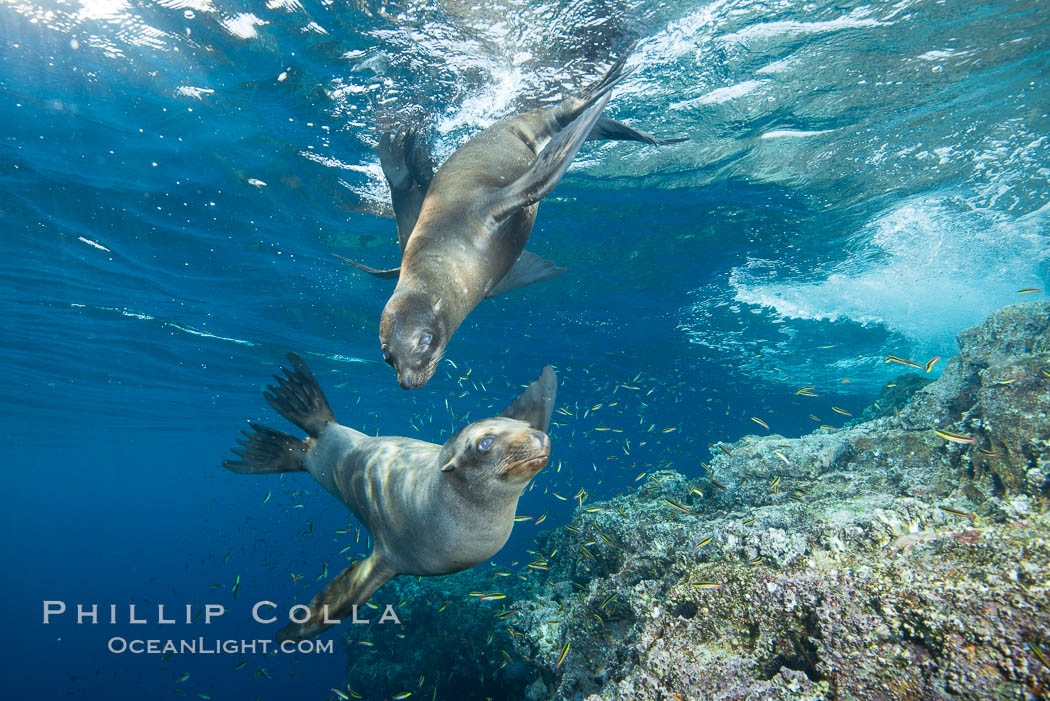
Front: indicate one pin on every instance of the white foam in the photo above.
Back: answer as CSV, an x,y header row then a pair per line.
x,y
926,269
720,95
242,25
792,133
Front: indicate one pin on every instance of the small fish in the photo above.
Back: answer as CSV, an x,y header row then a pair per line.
x,y
350,691
240,665
541,519
593,509
756,561
366,643
1028,290
703,542
989,453
760,422
902,361
931,362
184,677
607,601
341,695
840,411
775,484
269,493
669,429
402,695
519,519
783,457
749,521
805,391
1007,382
724,449
564,653
574,529
719,485
559,496
958,512
1040,653
707,585
676,505
954,437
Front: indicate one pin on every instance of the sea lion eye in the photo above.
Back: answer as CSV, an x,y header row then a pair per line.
x,y
426,339
386,355
485,444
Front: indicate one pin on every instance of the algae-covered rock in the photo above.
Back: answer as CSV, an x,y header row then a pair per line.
x,y
903,557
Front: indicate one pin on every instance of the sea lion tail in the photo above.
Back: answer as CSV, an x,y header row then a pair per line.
x,y
298,398
266,451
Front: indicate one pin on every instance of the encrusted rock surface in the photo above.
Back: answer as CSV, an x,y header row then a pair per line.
x,y
848,580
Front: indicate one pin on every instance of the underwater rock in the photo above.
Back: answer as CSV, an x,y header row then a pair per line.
x,y
883,560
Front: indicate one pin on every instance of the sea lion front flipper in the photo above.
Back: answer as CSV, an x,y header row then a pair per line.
x,y
611,130
353,587
408,168
545,172
528,269
388,274
298,398
535,405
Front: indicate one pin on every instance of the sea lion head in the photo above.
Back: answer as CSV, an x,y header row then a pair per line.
x,y
499,454
413,336
505,452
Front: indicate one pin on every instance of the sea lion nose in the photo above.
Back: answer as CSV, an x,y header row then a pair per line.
x,y
407,380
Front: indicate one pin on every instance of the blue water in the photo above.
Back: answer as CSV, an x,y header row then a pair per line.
x,y
859,180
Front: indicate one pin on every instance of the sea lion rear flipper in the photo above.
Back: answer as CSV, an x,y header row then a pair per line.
x,y
298,398
267,451
535,405
353,587
529,268
609,129
388,274
408,168
548,168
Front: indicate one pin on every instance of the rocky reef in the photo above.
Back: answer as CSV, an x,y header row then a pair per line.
x,y
905,556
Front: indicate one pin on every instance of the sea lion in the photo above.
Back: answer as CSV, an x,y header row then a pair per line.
x,y
431,509
462,231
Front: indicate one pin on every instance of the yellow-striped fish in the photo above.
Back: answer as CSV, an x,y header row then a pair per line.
x,y
707,585
1028,290
954,437
840,411
760,422
676,505
564,653
931,362
902,361
958,512
703,542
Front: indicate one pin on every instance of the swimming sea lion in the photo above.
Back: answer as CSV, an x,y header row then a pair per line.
x,y
463,230
431,509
